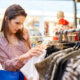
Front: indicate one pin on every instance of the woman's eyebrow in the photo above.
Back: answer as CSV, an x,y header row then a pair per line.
x,y
18,22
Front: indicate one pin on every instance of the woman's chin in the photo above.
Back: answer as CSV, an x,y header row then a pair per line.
x,y
14,32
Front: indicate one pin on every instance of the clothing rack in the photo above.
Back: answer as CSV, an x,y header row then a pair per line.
x,y
61,32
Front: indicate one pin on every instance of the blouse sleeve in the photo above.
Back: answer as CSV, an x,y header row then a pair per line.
x,y
10,64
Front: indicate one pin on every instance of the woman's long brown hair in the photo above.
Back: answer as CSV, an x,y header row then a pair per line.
x,y
11,13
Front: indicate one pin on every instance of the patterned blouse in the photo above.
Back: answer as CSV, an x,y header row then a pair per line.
x,y
9,54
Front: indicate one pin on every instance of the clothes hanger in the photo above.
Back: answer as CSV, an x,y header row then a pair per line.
x,y
76,44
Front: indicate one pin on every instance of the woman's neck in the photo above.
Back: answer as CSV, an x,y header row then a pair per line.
x,y
13,39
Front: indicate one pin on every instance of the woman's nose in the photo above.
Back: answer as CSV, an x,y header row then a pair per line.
x,y
20,26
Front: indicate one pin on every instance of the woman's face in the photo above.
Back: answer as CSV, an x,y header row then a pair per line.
x,y
16,24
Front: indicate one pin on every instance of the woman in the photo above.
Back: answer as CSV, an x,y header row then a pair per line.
x,y
15,48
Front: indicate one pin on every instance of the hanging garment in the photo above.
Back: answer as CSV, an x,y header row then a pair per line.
x,y
72,71
45,67
60,70
58,74
52,47
58,59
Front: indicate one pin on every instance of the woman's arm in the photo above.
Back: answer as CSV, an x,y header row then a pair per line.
x,y
10,64
18,62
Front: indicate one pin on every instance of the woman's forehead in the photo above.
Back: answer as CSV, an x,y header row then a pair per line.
x,y
20,18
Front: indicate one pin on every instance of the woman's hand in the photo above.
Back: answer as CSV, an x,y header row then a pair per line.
x,y
42,46
36,51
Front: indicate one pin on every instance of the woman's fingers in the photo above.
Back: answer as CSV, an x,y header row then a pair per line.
x,y
38,50
42,46
35,51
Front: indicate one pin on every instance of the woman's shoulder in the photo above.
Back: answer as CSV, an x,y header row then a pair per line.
x,y
3,40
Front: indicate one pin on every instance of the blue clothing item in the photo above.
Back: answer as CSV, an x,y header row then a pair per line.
x,y
11,75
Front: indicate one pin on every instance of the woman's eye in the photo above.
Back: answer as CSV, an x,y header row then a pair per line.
x,y
17,23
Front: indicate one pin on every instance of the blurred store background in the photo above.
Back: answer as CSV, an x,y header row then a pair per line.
x,y
43,13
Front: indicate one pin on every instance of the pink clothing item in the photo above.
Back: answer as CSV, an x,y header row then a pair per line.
x,y
9,54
